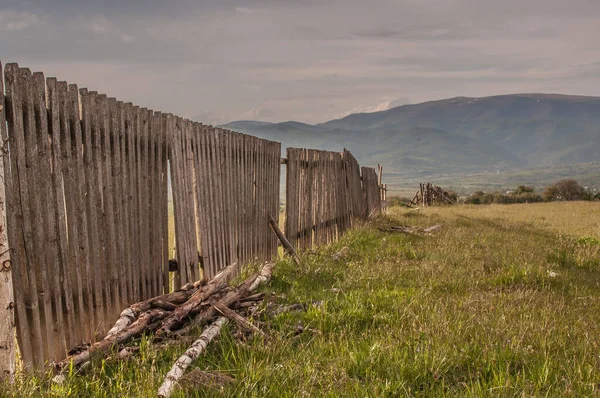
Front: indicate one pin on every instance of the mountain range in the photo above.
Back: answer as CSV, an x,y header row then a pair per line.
x,y
456,135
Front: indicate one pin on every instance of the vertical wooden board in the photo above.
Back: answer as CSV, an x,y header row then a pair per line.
x,y
97,222
220,220
313,165
241,173
143,203
301,197
199,192
234,194
224,183
315,193
270,192
155,196
69,122
184,264
15,189
290,198
273,191
239,189
263,189
109,220
264,222
259,199
62,281
94,270
322,202
330,199
164,150
100,126
210,196
127,154
207,167
53,306
131,121
192,246
79,215
246,197
231,198
175,159
34,231
117,216
196,182
7,296
276,159
203,168
307,193
277,189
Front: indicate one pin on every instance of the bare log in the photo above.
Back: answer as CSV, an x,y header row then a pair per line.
x,y
192,353
129,315
176,318
286,243
146,322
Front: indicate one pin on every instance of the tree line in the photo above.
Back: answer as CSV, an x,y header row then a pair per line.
x,y
564,190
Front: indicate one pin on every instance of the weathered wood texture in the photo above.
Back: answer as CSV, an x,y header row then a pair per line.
x,y
84,207
7,319
230,186
371,191
323,196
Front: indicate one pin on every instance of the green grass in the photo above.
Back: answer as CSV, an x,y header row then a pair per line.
x,y
504,301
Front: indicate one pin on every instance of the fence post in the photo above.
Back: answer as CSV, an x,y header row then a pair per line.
x,y
7,324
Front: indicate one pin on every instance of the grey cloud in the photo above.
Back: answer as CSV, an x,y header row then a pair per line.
x,y
295,59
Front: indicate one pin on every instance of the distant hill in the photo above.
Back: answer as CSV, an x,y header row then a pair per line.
x,y
458,134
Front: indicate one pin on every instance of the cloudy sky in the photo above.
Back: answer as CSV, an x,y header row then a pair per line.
x,y
305,60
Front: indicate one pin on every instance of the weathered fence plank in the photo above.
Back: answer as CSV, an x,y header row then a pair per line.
x,y
7,332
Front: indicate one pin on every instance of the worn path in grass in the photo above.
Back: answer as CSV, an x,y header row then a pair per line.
x,y
504,301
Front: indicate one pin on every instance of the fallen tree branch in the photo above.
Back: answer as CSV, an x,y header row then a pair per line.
x,y
191,354
129,315
176,318
413,230
146,321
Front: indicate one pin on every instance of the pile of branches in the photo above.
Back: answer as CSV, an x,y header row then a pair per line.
x,y
429,194
211,303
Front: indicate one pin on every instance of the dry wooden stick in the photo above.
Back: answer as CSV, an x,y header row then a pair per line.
x,y
286,244
237,318
189,356
147,321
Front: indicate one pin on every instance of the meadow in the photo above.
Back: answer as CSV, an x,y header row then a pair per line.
x,y
503,301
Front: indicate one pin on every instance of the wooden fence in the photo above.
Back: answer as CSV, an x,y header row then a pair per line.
x,y
86,200
86,181
371,191
324,195
230,182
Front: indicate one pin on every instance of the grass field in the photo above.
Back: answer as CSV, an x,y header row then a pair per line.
x,y
587,174
504,301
